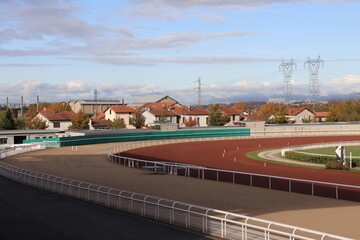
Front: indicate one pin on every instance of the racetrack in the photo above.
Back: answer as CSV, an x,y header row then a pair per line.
x,y
231,155
90,165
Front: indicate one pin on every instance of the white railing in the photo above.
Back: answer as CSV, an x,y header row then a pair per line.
x,y
206,220
314,188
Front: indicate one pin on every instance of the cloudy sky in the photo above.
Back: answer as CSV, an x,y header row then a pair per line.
x,y
63,50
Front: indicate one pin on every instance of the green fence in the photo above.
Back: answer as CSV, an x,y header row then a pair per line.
x,y
143,136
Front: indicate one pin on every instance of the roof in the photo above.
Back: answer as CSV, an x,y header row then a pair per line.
x,y
60,116
101,115
256,117
123,109
101,123
321,114
187,111
151,99
111,102
160,112
296,111
158,105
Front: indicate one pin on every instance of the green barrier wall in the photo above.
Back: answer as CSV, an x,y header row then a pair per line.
x,y
143,136
42,140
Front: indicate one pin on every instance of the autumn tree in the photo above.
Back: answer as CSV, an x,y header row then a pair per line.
x,y
344,111
118,123
239,106
36,123
216,116
80,121
278,111
137,120
190,122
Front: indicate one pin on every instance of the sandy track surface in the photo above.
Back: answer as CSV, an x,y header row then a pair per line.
x,y
89,164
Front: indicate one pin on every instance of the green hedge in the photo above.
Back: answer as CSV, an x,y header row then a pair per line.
x,y
314,158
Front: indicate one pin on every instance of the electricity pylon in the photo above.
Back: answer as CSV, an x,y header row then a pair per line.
x,y
287,68
313,66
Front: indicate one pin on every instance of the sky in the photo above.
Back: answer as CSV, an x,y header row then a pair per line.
x,y
63,50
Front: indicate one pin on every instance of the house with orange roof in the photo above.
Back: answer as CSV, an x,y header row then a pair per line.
x,y
154,115
321,116
56,121
96,124
121,112
187,115
300,115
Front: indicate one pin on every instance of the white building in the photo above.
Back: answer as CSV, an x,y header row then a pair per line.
x,y
56,121
120,112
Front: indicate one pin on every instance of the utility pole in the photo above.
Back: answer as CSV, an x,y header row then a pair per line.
x,y
198,87
313,66
287,68
95,103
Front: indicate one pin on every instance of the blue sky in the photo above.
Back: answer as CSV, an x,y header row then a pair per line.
x,y
63,50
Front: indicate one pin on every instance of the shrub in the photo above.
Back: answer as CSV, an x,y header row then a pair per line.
x,y
336,166
309,158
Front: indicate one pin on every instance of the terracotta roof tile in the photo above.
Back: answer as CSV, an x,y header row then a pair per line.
x,y
123,109
101,123
60,116
321,114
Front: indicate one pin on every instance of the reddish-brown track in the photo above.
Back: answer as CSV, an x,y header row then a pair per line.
x,y
211,154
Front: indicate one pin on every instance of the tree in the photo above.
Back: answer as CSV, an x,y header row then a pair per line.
x,y
190,123
80,121
118,123
36,123
137,120
216,116
163,117
344,111
6,120
279,112
20,123
239,106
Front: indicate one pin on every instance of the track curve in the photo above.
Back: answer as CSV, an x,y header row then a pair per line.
x,y
231,155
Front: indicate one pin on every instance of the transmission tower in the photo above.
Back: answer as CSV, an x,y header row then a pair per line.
x,y
313,66
287,68
198,87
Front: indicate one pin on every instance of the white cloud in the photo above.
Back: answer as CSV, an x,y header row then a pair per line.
x,y
212,93
151,61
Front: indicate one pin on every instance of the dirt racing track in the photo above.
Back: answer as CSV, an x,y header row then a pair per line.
x,y
333,216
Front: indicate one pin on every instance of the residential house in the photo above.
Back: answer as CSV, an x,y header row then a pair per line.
x,y
96,124
186,115
56,121
153,115
300,115
321,116
121,112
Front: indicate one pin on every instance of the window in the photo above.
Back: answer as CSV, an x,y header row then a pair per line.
x,y
184,119
56,124
37,137
110,111
233,117
3,140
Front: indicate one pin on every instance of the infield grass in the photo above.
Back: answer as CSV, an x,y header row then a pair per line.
x,y
355,150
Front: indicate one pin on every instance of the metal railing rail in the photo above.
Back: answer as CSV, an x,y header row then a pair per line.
x,y
201,172
206,220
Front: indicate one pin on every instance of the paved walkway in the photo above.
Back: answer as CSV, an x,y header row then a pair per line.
x,y
89,164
